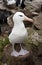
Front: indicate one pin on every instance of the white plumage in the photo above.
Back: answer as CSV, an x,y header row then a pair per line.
x,y
10,2
19,32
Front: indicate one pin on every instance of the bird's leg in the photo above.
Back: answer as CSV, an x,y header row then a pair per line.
x,y
14,53
13,47
23,51
20,46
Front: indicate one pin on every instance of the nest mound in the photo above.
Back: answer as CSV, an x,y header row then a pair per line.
x,y
20,60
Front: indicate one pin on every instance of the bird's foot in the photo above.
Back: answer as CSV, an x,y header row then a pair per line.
x,y
15,53
23,52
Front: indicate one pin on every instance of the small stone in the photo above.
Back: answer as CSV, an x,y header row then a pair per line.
x,y
34,13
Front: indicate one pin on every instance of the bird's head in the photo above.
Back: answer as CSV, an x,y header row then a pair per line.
x,y
19,16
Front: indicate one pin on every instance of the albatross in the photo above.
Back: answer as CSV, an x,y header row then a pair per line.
x,y
19,33
10,2
20,3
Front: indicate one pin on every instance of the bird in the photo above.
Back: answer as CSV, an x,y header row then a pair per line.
x,y
20,3
4,14
15,2
9,2
19,33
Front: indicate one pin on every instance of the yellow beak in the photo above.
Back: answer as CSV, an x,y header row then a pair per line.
x,y
28,19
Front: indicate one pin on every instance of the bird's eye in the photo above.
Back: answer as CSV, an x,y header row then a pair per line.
x,y
20,15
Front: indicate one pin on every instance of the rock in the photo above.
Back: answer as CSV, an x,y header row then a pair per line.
x,y
34,41
37,4
5,29
1,5
27,12
38,21
35,14
40,49
34,5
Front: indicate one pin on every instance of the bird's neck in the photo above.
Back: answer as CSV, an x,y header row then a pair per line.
x,y
18,24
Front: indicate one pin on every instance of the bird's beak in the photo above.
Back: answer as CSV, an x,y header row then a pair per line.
x,y
28,19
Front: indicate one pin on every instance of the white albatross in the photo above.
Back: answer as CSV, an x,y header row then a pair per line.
x,y
10,2
19,32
